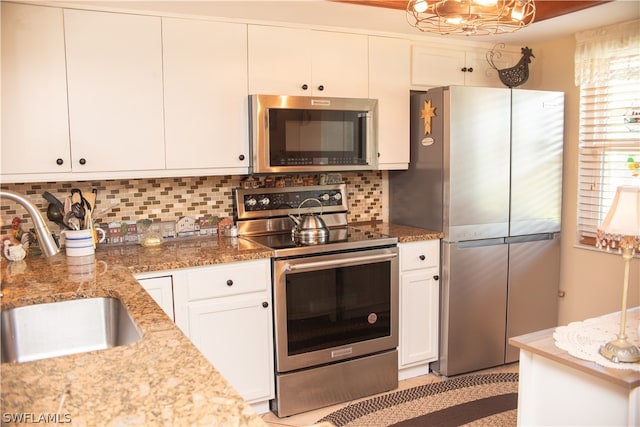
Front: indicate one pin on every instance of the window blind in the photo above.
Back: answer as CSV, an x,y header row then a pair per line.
x,y
609,152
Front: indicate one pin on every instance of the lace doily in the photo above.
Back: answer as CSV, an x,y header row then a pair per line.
x,y
584,339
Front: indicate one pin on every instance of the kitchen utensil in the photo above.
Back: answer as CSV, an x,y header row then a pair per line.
x,y
78,197
67,205
53,200
90,199
56,215
79,212
71,221
310,229
90,207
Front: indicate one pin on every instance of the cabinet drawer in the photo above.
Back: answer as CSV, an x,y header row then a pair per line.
x,y
416,255
227,280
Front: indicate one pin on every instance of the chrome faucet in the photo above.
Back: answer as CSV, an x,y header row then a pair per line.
x,y
47,244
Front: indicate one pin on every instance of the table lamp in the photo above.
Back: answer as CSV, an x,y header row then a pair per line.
x,y
620,231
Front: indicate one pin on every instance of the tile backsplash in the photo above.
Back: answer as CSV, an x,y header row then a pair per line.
x,y
169,199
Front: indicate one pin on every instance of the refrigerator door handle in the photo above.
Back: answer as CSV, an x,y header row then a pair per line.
x,y
530,238
479,243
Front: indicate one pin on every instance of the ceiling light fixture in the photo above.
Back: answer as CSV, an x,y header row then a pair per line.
x,y
470,17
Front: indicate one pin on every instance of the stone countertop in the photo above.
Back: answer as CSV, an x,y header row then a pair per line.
x,y
161,380
182,253
404,233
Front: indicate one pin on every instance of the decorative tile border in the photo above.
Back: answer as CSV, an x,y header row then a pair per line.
x,y
169,199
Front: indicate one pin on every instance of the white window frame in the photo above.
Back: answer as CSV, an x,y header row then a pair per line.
x,y
608,74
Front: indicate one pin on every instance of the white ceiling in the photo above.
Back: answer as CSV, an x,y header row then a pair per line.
x,y
377,19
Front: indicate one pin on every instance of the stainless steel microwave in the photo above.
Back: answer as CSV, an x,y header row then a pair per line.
x,y
312,134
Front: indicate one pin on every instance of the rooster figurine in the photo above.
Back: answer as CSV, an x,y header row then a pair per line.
x,y
516,75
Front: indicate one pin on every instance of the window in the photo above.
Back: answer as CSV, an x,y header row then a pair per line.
x,y
607,71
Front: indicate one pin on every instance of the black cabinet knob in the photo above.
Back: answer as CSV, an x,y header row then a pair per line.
x,y
436,277
422,257
305,86
229,282
265,304
241,157
59,162
321,87
82,161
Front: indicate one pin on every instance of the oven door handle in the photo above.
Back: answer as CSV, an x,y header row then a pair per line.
x,y
339,262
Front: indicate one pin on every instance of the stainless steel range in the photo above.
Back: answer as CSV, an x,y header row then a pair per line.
x,y
335,298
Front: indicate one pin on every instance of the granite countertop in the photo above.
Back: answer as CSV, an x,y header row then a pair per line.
x,y
404,233
160,380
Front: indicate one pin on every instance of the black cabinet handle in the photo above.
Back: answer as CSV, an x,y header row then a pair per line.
x,y
422,257
305,86
59,162
321,87
229,282
241,157
82,161
265,304
436,277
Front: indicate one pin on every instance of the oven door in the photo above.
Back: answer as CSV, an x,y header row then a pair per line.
x,y
334,307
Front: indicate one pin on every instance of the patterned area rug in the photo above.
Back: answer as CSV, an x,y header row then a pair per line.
x,y
474,400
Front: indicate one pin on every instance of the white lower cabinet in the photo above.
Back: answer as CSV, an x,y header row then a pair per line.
x,y
419,306
160,287
226,312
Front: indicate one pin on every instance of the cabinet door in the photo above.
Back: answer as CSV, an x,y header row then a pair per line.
x,y
235,335
433,67
293,61
35,123
279,61
419,313
483,74
389,70
114,69
161,290
205,94
340,65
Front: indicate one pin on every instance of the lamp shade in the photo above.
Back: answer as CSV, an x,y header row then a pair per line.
x,y
623,217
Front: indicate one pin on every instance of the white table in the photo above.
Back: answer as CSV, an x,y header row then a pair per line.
x,y
557,389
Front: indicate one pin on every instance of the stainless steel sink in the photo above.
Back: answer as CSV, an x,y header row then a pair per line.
x,y
42,331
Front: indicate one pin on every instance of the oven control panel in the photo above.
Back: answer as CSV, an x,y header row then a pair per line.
x,y
268,202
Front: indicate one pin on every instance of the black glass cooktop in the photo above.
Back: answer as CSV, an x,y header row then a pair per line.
x,y
343,238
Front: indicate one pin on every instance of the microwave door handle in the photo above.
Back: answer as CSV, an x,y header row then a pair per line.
x,y
338,262
372,158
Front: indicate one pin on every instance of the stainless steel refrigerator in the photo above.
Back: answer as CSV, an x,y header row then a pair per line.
x,y
486,170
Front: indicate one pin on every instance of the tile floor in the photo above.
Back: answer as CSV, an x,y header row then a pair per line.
x,y
309,418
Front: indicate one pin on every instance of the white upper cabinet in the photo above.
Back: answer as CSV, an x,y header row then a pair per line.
x,y
432,67
205,95
35,123
293,61
114,72
389,69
